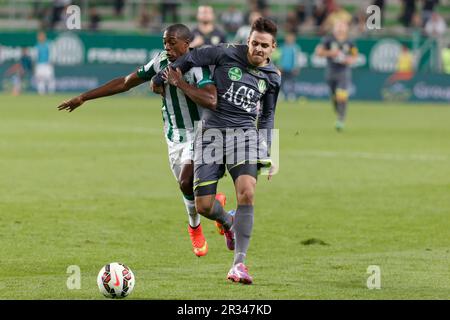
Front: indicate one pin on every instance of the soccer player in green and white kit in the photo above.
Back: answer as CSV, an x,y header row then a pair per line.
x,y
341,53
180,110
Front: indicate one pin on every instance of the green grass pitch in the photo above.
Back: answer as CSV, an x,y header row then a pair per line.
x,y
94,187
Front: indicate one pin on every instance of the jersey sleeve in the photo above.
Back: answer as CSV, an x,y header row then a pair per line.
x,y
268,106
199,57
202,76
326,43
149,70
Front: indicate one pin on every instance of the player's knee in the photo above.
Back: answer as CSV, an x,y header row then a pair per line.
x,y
186,186
341,100
341,96
203,207
245,196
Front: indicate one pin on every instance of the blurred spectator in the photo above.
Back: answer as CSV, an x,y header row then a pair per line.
x,y
427,9
244,31
292,23
320,13
20,71
118,7
436,26
405,66
446,60
206,33
169,8
149,19
305,10
144,17
360,18
94,19
335,13
267,13
258,5
408,11
405,62
288,63
232,19
44,72
58,11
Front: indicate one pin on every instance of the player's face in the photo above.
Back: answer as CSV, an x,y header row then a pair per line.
x,y
340,30
174,46
260,47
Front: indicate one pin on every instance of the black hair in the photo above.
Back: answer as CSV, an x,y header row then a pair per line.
x,y
181,31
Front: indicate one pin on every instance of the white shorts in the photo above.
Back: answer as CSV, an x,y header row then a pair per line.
x,y
180,153
44,72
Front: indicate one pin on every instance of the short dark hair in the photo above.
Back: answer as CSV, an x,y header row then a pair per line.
x,y
181,31
263,24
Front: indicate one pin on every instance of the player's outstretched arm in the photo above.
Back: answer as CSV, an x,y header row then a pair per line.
x,y
114,86
205,97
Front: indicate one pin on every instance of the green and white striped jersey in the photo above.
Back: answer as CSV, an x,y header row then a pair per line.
x,y
179,111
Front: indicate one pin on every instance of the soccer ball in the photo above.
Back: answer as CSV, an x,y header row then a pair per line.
x,y
115,280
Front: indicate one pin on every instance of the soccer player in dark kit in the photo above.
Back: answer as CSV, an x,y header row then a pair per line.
x,y
341,53
247,85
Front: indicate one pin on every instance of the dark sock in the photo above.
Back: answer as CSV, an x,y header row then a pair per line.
x,y
341,110
242,227
335,105
220,215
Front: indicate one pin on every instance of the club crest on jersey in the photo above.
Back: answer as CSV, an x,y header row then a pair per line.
x,y
235,74
254,71
262,86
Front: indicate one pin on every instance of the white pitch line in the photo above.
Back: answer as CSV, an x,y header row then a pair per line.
x,y
374,156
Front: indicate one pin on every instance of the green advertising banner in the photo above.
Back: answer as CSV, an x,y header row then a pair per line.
x,y
80,48
85,60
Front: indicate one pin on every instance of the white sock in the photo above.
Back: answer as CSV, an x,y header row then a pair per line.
x,y
194,217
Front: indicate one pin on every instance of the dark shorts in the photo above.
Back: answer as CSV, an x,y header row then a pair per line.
x,y
339,81
219,150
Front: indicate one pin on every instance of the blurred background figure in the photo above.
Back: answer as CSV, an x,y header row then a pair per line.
x,y
44,72
94,19
58,12
428,9
232,19
435,26
149,19
405,61
408,11
288,63
244,31
20,72
169,8
341,54
206,32
405,66
118,7
292,23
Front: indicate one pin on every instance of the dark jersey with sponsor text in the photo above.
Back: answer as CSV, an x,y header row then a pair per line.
x,y
246,95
